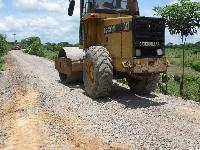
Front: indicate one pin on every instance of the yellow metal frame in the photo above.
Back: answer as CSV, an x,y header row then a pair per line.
x,y
119,44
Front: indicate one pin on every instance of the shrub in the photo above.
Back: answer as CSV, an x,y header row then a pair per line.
x,y
33,46
3,45
177,78
3,50
1,64
52,47
172,87
195,65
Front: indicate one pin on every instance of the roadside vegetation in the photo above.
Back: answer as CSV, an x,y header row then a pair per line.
x,y
34,46
192,54
182,18
170,82
3,50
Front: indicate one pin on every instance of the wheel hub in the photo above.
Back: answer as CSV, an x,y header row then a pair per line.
x,y
89,69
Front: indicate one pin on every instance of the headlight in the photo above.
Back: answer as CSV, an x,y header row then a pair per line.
x,y
138,52
160,52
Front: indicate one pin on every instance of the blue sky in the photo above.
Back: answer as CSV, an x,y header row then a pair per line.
x,y
48,19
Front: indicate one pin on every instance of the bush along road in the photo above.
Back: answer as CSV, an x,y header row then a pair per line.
x,y
38,112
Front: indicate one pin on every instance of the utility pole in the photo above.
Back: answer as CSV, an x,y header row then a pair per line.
x,y
14,36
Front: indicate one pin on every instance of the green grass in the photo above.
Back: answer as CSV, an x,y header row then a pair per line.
x,y
173,88
48,50
191,85
192,59
192,74
51,55
1,64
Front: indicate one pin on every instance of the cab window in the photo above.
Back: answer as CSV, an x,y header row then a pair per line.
x,y
111,4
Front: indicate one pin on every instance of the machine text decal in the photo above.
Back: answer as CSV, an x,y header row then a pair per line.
x,y
149,44
125,26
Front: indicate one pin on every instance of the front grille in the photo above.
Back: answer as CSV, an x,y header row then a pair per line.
x,y
149,35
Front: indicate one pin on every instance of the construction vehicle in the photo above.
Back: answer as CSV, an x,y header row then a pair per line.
x,y
115,42
16,46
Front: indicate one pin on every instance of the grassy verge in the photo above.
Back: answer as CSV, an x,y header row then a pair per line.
x,y
3,50
34,46
172,85
1,63
192,74
51,55
192,58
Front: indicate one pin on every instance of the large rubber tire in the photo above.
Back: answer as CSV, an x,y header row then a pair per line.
x,y
97,77
63,78
144,86
74,78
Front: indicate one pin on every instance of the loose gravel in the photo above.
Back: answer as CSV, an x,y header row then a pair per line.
x,y
139,122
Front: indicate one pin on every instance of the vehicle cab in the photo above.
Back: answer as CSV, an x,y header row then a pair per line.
x,y
132,40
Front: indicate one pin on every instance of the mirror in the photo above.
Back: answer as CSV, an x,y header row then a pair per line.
x,y
71,7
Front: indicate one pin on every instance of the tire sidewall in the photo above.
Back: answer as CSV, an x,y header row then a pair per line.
x,y
102,72
90,86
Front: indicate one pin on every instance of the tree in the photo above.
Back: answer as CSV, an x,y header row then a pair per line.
x,y
32,45
26,43
169,45
182,18
64,44
3,45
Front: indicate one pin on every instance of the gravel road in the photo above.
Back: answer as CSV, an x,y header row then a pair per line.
x,y
37,111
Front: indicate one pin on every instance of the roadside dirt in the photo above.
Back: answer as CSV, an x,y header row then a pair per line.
x,y
26,125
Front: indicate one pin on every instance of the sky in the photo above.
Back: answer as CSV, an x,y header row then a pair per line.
x,y
48,19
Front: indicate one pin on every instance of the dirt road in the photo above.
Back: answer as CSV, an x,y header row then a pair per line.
x,y
38,112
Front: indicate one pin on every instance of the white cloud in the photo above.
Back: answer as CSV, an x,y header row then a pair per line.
x,y
52,29
47,22
11,23
1,4
48,19
40,5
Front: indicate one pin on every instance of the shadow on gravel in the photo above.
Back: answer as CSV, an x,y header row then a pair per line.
x,y
122,95
73,86
126,97
76,86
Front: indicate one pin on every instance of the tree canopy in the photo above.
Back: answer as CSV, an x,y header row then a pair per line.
x,y
3,45
181,18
